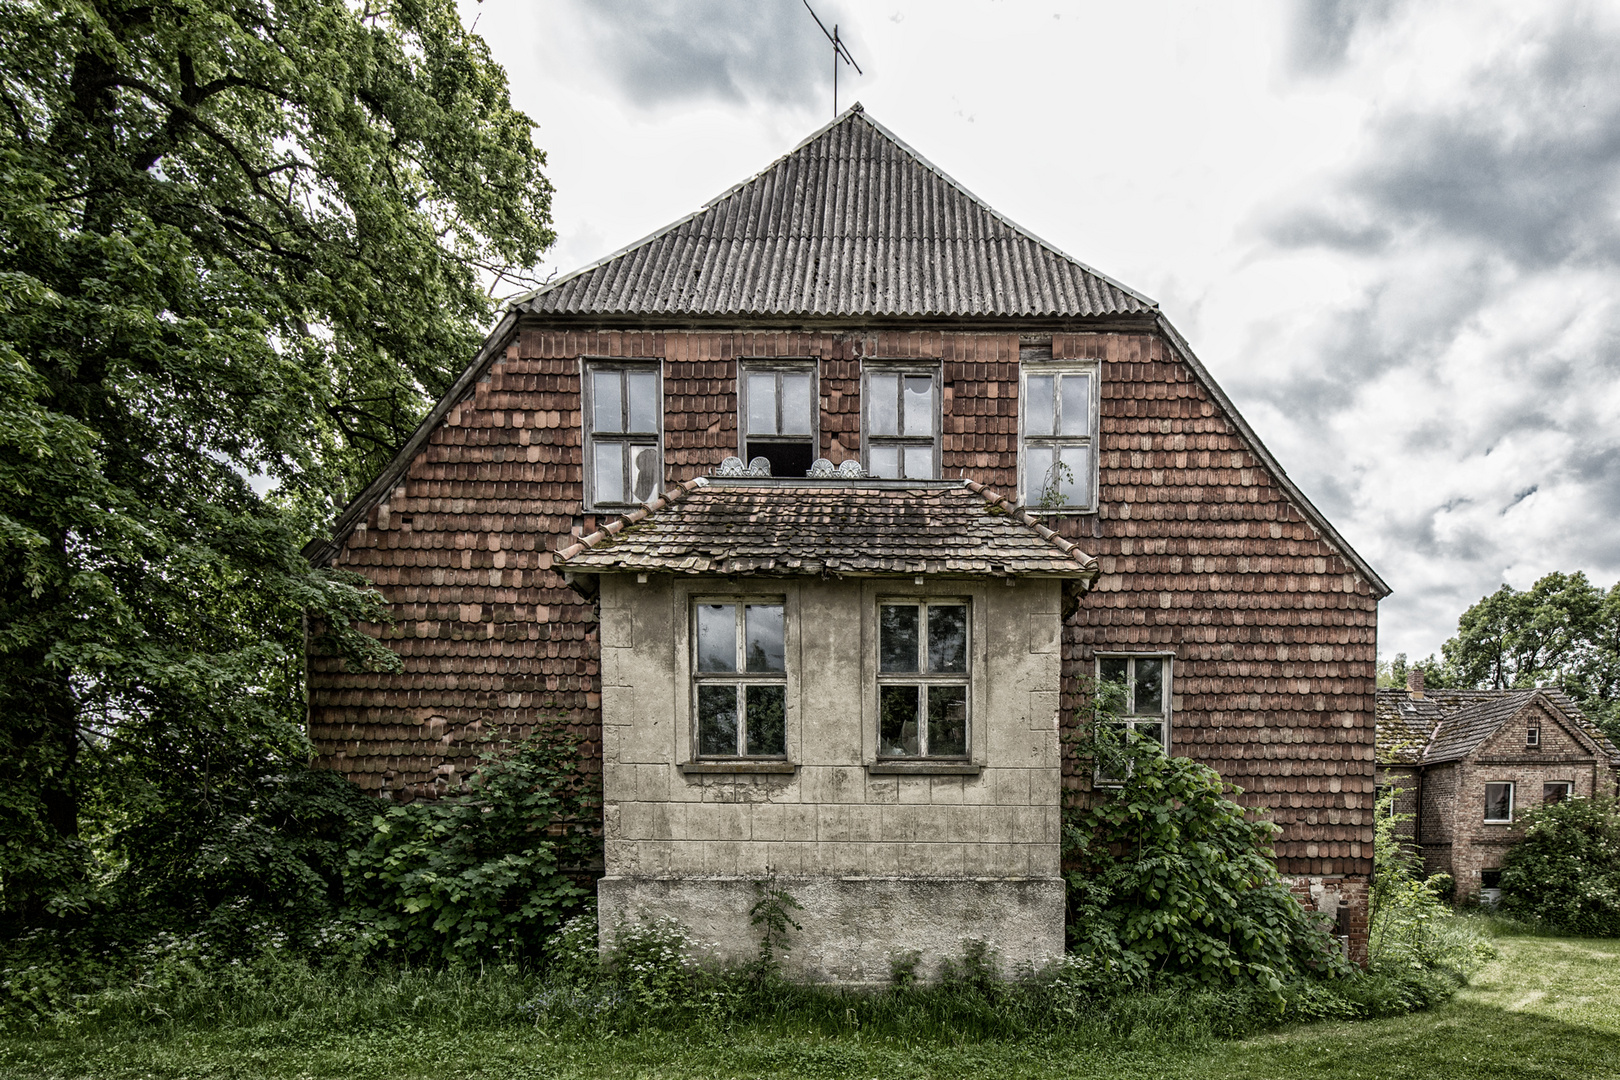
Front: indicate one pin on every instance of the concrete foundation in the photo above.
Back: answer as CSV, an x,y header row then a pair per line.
x,y
853,926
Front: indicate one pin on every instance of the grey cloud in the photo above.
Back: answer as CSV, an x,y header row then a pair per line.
x,y
1520,497
660,51
1321,31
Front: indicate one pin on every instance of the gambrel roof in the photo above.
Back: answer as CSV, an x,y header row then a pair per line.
x,y
715,525
851,222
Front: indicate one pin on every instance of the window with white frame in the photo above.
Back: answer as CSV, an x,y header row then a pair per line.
x,y
1532,736
778,411
1057,425
900,414
739,678
1556,791
1499,802
923,679
624,420
1144,687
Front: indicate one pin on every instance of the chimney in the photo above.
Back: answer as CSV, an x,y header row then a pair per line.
x,y
1414,682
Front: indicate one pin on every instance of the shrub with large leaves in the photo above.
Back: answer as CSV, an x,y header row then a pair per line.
x,y
1565,873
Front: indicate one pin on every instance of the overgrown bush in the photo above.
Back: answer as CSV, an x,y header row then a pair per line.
x,y
1166,874
1411,928
1565,872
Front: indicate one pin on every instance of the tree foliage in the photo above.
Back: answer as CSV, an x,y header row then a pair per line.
x,y
1565,873
241,245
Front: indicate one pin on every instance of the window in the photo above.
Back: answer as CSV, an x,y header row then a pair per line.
x,y
901,414
923,679
1499,802
623,427
1145,681
778,407
1556,791
739,675
1057,422
1532,736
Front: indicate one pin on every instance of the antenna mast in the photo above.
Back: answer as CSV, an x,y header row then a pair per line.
x,y
840,52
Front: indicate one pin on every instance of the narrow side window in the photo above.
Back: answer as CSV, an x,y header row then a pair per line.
x,y
739,678
1058,405
623,413
923,679
1144,683
900,418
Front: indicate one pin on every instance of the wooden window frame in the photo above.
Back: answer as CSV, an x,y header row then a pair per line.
x,y
741,678
1130,718
590,439
1089,440
902,368
923,679
795,366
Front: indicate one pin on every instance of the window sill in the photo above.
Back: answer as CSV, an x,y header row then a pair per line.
x,y
924,768
738,768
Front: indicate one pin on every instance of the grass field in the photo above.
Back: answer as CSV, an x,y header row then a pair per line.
x,y
1547,1008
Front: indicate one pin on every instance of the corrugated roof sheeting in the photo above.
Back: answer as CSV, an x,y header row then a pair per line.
x,y
851,223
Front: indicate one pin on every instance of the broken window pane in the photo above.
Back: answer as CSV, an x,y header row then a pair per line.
x,y
1076,405
1498,802
947,638
1149,686
643,400
947,721
762,403
717,637
897,637
897,721
609,476
766,724
717,720
796,404
919,417
1038,411
762,645
607,402
644,471
885,462
883,411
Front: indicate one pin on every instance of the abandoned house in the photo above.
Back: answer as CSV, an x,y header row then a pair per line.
x,y
810,513
1467,764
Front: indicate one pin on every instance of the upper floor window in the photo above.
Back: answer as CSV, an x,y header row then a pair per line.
x,y
1556,791
900,414
624,423
1499,802
778,407
739,676
1057,428
1145,684
923,678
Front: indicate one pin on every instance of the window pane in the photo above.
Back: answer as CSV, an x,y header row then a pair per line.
x,y
644,472
1040,483
609,478
1038,411
762,403
1152,731
796,404
643,400
897,721
897,637
885,462
919,405
1149,686
947,637
1554,793
1112,764
607,406
1113,669
1498,802
883,411
1074,478
762,646
1076,404
716,637
919,462
767,729
947,721
717,720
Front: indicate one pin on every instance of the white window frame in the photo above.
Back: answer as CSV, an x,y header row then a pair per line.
x,y
740,678
1512,796
1532,736
1089,440
1131,718
746,368
923,679
902,368
1567,785
589,366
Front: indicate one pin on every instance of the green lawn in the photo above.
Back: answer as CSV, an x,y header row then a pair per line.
x,y
1546,1008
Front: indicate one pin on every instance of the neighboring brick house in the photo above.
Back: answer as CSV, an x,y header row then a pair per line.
x,y
1468,763
852,303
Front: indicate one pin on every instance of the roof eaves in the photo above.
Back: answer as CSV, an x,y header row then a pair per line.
x,y
669,497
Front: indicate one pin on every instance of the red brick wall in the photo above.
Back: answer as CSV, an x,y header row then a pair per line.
x,y
1202,556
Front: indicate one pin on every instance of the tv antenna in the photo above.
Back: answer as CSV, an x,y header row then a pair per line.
x,y
840,52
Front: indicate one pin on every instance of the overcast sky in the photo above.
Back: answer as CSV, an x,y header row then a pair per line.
x,y
1391,230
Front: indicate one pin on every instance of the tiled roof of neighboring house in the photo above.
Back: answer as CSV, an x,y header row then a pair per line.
x,y
804,527
1445,725
852,222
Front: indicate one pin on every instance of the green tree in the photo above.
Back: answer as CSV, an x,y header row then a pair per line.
x,y
1566,871
241,247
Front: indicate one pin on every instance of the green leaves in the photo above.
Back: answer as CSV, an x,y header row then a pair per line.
x,y
1565,873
